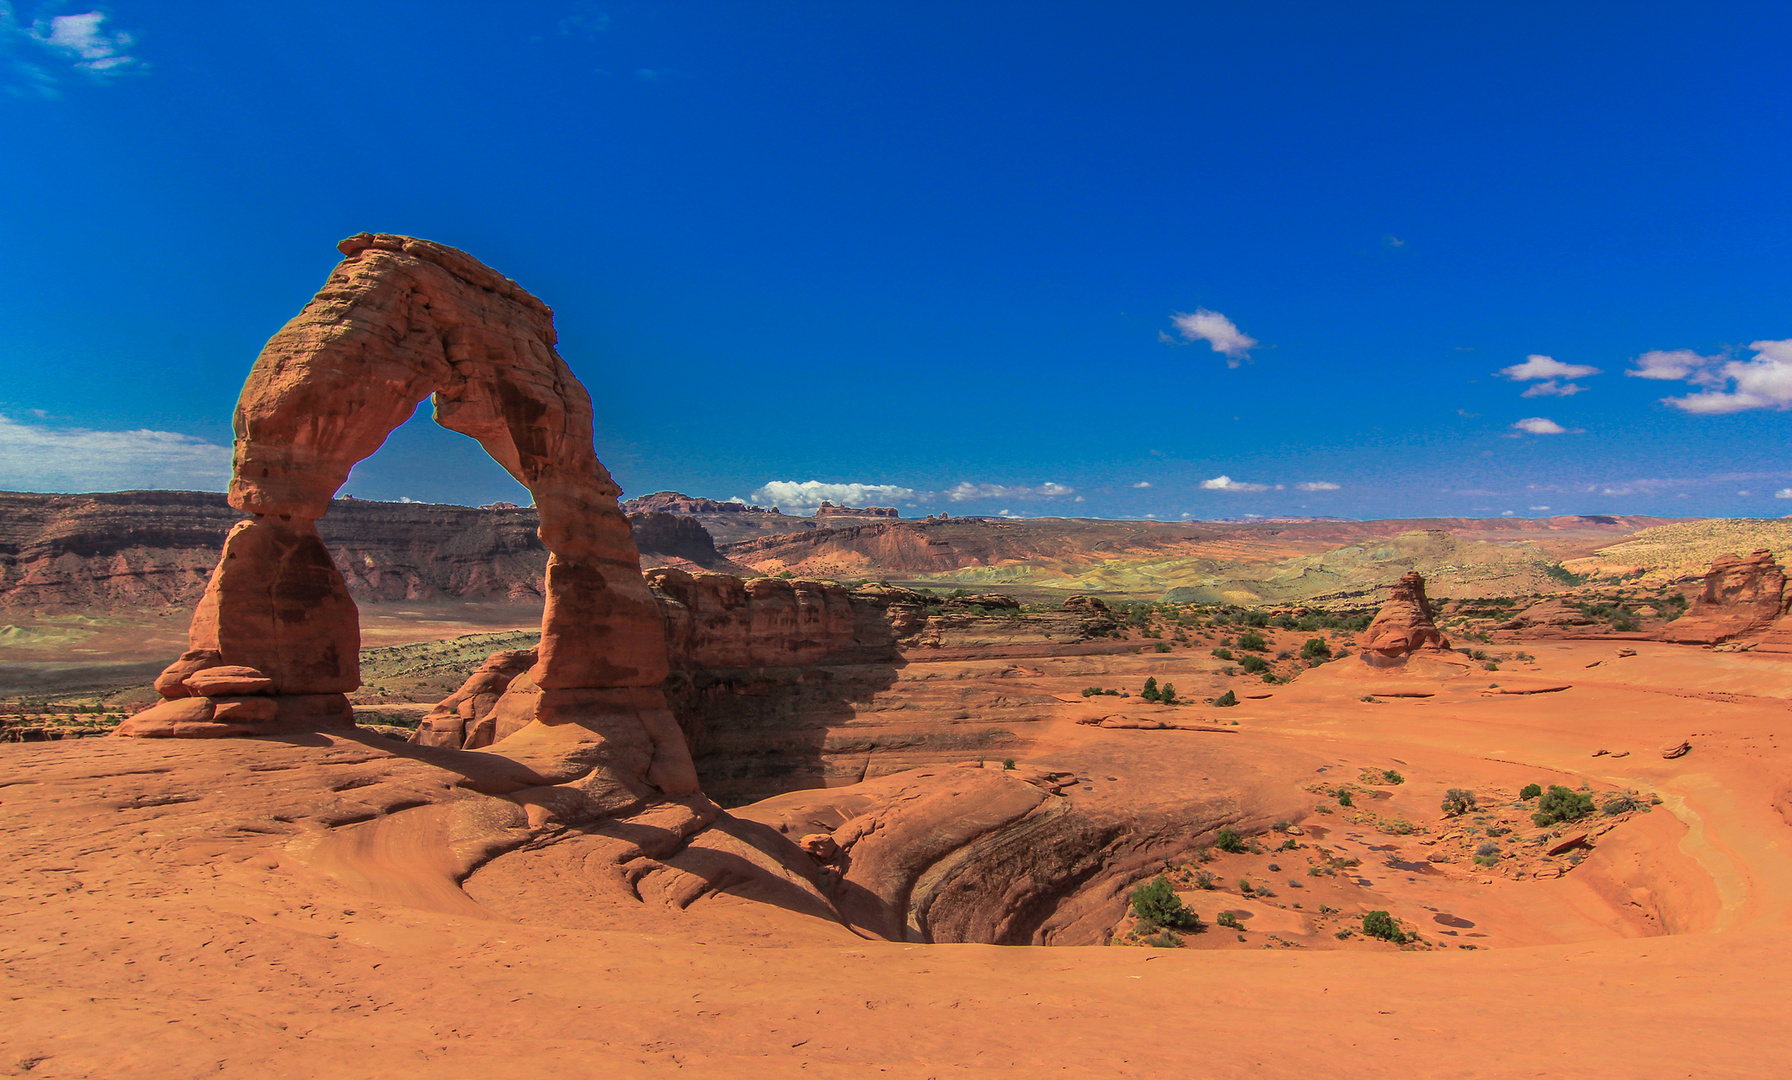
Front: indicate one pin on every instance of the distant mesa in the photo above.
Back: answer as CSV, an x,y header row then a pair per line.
x,y
1405,625
672,502
829,510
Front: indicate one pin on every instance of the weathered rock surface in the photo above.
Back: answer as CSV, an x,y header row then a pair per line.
x,y
1404,625
1742,595
400,320
790,683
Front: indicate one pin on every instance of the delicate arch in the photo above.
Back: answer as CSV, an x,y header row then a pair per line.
x,y
399,320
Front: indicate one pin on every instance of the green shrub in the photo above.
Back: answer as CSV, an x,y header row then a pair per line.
x,y
1167,696
1621,804
1165,940
1162,646
1204,879
1379,924
1229,921
1254,665
1344,798
1007,764
1229,840
1155,902
1458,801
1561,804
1389,776
1531,791
1226,700
1150,691
1315,648
1223,653
1252,641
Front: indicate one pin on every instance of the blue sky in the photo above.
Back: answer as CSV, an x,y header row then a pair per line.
x,y
1122,260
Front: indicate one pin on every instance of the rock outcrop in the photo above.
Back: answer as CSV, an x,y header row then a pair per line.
x,y
1742,595
1404,625
400,320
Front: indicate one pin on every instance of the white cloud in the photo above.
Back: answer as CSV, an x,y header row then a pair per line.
x,y
1539,508
1674,364
1537,425
1536,366
808,494
966,491
1764,381
37,457
1552,388
1316,485
64,42
1505,513
1226,483
1215,329
1783,493
1143,484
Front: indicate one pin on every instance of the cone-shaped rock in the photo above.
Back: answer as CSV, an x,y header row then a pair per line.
x,y
1404,625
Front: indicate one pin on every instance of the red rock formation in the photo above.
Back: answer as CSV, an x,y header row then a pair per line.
x,y
1404,625
1742,595
400,320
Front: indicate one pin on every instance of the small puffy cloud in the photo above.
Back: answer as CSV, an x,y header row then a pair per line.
x,y
83,39
1539,508
1143,484
1553,388
40,457
1538,425
1215,329
1764,381
1316,485
1783,493
965,491
1226,483
1506,513
1536,366
809,494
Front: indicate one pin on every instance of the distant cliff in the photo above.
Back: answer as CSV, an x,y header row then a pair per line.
x,y
138,549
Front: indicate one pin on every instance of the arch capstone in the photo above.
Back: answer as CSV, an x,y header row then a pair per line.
x,y
274,643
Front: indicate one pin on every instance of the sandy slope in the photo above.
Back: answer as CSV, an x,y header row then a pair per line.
x,y
167,914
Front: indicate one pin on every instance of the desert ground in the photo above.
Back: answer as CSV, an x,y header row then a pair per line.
x,y
169,911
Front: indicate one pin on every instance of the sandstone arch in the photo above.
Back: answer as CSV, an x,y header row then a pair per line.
x,y
274,643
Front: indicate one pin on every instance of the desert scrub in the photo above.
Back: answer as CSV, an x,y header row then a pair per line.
x,y
1224,654
1379,924
1254,665
1253,642
1344,798
1156,903
1228,920
1226,700
1396,826
1622,803
1458,801
1316,648
1229,840
1561,804
1205,880
1531,791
